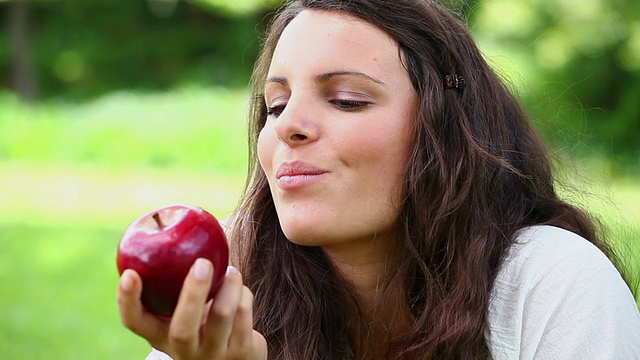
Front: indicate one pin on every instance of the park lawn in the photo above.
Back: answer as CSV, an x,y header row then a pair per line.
x,y
59,230
73,176
60,225
58,297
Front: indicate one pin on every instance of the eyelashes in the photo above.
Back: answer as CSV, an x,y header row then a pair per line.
x,y
275,110
340,104
349,104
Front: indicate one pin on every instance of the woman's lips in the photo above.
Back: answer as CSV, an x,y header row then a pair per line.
x,y
296,174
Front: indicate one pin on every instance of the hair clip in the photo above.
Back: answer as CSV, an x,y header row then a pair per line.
x,y
453,82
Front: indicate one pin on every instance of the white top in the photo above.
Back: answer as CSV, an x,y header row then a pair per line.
x,y
557,297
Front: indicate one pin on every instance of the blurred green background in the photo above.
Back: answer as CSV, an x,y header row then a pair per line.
x,y
112,108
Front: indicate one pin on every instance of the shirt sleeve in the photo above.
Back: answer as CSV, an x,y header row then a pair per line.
x,y
559,297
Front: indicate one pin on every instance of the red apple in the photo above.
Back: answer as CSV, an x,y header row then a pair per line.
x,y
163,245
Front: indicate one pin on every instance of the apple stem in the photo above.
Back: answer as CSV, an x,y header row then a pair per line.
x,y
156,217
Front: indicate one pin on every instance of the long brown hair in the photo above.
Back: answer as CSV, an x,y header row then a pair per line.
x,y
478,173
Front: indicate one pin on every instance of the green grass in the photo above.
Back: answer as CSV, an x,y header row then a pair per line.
x,y
72,177
59,230
198,128
58,297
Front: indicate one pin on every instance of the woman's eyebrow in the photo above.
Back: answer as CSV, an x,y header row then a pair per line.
x,y
322,78
277,79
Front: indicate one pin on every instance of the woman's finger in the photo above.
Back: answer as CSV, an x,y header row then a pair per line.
x,y
133,315
184,331
242,333
245,342
222,313
260,350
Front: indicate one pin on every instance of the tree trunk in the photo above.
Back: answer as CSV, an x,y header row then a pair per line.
x,y
23,71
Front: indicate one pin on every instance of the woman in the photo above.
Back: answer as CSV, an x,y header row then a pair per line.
x,y
400,206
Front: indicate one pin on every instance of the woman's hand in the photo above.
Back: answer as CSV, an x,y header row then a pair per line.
x,y
221,329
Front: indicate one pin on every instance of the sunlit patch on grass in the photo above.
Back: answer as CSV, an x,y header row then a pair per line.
x,y
103,196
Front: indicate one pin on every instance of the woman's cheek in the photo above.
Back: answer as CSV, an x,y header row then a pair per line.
x,y
265,148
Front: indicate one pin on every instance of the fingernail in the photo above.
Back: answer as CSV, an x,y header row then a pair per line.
x,y
202,269
232,270
126,283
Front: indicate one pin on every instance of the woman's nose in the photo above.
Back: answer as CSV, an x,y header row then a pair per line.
x,y
294,126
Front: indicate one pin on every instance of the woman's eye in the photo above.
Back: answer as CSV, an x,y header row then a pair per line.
x,y
275,110
349,104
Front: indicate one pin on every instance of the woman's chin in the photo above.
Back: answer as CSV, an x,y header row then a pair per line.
x,y
303,239
303,235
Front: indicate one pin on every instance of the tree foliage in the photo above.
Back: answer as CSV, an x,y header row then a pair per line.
x,y
85,48
235,7
575,64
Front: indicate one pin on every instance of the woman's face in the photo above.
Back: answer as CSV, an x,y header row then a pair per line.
x,y
336,141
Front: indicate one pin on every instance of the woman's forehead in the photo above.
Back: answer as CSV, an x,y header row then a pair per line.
x,y
320,38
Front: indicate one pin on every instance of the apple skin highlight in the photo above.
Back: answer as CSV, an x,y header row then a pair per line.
x,y
162,245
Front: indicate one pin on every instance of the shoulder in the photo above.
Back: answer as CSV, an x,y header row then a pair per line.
x,y
538,251
551,258
554,294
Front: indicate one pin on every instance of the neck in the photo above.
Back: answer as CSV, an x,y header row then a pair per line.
x,y
364,265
